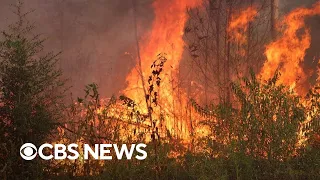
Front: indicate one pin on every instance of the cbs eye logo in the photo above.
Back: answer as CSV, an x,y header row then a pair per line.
x,y
28,151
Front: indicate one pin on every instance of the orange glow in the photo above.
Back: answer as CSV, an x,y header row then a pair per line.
x,y
166,36
287,52
239,25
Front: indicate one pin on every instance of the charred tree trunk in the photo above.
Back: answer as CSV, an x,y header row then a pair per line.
x,y
248,58
274,14
218,48
228,55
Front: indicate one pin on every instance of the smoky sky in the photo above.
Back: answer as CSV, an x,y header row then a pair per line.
x,y
288,5
95,36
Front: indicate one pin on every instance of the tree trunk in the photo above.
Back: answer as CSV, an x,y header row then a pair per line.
x,y
218,54
274,15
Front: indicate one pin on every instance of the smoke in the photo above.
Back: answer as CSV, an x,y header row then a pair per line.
x,y
286,6
93,37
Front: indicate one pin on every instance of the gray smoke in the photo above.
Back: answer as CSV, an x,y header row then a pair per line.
x,y
93,35
288,5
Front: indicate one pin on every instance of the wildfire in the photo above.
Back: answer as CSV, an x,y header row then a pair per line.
x,y
239,25
287,52
166,37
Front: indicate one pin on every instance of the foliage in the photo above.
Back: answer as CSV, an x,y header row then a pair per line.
x,y
31,96
268,119
253,136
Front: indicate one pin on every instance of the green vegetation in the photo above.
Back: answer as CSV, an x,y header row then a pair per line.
x,y
254,136
31,97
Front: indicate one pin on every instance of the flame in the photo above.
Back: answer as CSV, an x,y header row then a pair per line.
x,y
239,25
287,52
166,37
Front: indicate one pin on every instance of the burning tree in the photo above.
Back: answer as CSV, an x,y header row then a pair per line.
x,y
249,128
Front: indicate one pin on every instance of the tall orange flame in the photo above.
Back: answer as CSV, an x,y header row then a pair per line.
x,y
239,24
288,51
166,37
